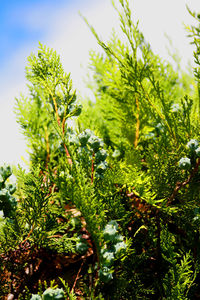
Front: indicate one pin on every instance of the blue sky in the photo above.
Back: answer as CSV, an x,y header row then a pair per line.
x,y
17,26
58,25
13,31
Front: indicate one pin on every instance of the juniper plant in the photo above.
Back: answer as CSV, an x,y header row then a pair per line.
x,y
116,195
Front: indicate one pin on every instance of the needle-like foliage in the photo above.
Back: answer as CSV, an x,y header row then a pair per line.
x,y
110,204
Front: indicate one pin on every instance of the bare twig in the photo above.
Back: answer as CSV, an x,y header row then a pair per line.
x,y
77,276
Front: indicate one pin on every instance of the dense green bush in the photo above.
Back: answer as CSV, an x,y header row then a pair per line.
x,y
109,208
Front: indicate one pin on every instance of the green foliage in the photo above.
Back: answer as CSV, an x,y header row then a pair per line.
x,y
134,88
112,203
43,115
53,293
113,245
7,201
180,277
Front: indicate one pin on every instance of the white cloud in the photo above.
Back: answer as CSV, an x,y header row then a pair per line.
x,y
72,39
66,32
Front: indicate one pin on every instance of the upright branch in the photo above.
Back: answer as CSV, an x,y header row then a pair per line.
x,y
55,96
137,132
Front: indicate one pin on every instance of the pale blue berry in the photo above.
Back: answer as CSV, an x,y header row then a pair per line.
x,y
101,167
113,223
81,247
198,151
150,135
84,136
54,294
175,107
184,163
192,144
116,153
35,297
120,246
94,143
110,233
100,155
108,258
105,274
73,139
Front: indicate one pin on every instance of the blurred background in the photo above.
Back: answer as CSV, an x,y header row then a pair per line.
x,y
59,25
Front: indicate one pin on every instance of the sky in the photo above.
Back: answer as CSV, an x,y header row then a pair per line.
x,y
59,25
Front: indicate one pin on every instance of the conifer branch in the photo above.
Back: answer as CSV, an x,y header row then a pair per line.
x,y
179,185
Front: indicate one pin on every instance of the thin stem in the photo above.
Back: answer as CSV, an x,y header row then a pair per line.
x,y
63,126
137,123
68,155
77,276
33,227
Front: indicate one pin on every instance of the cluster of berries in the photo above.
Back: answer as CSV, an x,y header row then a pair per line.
x,y
114,244
50,294
175,108
89,144
157,131
67,108
72,110
81,245
185,163
7,201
